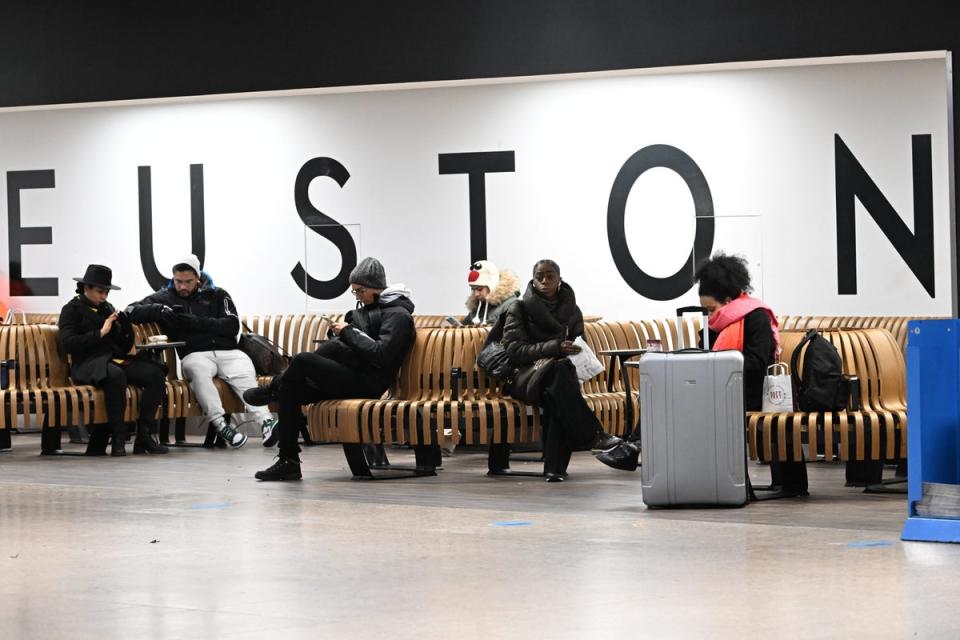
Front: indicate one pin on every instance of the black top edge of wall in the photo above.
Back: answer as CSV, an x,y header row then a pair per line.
x,y
87,51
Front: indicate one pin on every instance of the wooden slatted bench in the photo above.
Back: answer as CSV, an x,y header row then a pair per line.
x,y
877,432
41,391
441,390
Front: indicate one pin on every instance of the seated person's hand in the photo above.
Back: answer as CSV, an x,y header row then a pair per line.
x,y
186,321
567,348
337,327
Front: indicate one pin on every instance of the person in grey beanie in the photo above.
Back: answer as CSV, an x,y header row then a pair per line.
x,y
360,361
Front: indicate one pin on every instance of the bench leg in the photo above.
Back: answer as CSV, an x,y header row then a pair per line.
x,y
426,457
357,461
376,456
307,440
79,434
179,434
180,430
498,463
876,482
50,441
163,424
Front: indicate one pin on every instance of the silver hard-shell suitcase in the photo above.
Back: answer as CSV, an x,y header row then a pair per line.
x,y
692,426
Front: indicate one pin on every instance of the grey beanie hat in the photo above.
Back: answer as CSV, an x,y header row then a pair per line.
x,y
369,273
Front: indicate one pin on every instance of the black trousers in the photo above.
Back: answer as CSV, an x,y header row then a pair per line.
x,y
311,378
568,423
145,375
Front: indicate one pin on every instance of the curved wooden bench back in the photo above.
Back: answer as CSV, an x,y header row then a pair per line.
x,y
31,318
294,333
431,321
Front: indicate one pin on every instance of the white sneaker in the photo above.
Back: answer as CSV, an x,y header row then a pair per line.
x,y
267,427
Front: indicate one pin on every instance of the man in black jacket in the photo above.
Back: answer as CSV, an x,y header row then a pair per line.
x,y
361,361
192,310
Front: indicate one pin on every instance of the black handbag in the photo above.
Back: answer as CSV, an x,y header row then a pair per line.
x,y
493,356
527,383
494,360
268,359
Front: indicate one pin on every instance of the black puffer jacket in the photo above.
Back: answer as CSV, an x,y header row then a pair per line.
x,y
206,320
378,338
535,326
80,323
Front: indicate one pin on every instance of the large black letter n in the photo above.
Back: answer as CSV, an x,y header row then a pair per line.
x,y
915,248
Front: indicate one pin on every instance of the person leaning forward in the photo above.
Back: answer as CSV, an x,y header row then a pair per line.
x,y
193,310
361,361
99,340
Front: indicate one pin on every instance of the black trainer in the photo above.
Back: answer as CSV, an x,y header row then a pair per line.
x,y
281,470
604,442
263,395
625,457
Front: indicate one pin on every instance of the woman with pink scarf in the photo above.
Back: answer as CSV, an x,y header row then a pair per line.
x,y
738,321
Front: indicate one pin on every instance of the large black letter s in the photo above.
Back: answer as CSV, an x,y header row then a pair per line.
x,y
326,226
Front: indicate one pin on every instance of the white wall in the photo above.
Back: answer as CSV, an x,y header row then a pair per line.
x,y
763,138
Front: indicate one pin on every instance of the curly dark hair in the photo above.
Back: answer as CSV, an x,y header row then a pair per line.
x,y
723,277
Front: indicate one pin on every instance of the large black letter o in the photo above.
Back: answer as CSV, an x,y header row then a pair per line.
x,y
659,155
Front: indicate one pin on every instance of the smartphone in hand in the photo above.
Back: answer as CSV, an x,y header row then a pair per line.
x,y
453,322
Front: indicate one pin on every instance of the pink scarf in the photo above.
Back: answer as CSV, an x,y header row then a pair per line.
x,y
736,310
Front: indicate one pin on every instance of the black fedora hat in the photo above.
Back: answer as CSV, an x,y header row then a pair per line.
x,y
98,275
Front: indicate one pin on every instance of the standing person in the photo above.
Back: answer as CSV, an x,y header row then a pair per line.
x,y
99,340
192,309
361,361
538,335
492,292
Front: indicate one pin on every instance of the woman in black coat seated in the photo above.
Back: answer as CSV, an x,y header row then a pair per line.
x,y
99,340
538,335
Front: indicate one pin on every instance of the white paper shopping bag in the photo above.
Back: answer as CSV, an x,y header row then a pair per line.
x,y
777,389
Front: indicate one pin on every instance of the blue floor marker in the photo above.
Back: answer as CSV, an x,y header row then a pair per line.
x,y
869,544
512,523
209,505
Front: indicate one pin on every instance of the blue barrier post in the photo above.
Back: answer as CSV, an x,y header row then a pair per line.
x,y
933,421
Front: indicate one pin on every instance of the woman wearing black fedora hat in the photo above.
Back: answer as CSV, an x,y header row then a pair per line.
x,y
100,341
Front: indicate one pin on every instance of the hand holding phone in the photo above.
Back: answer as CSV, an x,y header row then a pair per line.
x,y
453,322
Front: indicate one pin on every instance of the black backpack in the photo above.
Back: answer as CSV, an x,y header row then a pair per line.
x,y
823,387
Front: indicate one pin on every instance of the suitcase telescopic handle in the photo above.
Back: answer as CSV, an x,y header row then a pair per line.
x,y
695,309
681,333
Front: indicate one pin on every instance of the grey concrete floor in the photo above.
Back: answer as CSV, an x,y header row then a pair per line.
x,y
188,545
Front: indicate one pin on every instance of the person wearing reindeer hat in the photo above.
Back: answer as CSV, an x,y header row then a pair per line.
x,y
492,292
360,361
193,310
99,340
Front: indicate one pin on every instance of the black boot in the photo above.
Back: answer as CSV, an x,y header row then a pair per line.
x,y
118,440
263,395
604,442
97,443
282,469
146,442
